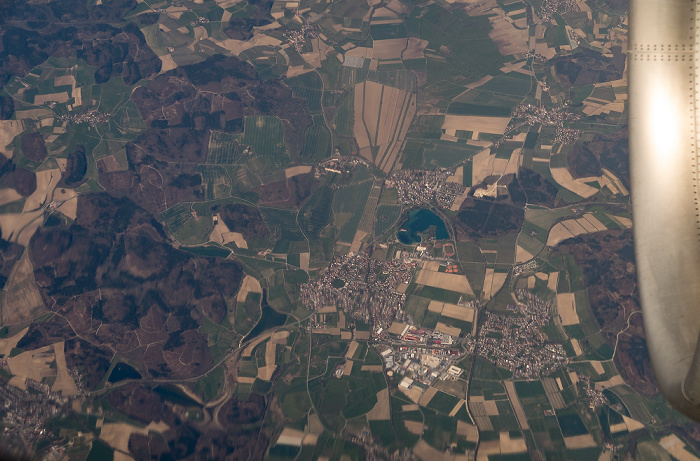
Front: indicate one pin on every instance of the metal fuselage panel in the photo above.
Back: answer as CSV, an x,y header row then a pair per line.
x,y
663,108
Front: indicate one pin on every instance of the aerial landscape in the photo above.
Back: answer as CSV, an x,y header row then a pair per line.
x,y
321,229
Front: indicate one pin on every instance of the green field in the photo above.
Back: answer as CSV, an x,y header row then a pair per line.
x,y
506,249
223,148
100,452
343,122
317,141
348,205
387,31
282,223
432,154
398,416
545,218
465,108
309,87
316,212
636,405
216,181
195,231
294,398
529,389
362,393
210,385
439,294
296,276
442,402
176,216
417,306
471,54
247,313
440,430
513,83
571,425
265,134
341,400
219,337
387,215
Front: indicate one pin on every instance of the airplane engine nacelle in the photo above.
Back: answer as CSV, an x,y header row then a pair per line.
x,y
664,110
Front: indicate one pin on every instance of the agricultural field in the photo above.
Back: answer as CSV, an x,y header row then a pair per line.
x,y
224,148
283,223
315,215
344,119
387,216
216,181
382,117
265,135
317,141
309,87
186,226
432,154
209,194
348,206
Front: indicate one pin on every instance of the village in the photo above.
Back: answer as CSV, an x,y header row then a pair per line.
x,y
93,117
297,37
419,187
527,114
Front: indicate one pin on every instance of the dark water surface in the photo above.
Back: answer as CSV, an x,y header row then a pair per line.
x,y
419,221
122,371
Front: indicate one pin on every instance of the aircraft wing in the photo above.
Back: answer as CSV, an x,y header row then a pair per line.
x,y
664,115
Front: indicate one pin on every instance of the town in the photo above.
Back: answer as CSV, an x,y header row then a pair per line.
x,y
363,287
515,342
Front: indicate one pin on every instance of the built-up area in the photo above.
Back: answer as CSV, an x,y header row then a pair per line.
x,y
362,287
419,187
24,414
528,114
515,342
420,354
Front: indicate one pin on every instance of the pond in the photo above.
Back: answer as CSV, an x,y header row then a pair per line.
x,y
269,318
419,221
122,371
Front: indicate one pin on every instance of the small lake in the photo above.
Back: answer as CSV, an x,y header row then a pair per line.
x,y
122,371
270,318
419,221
